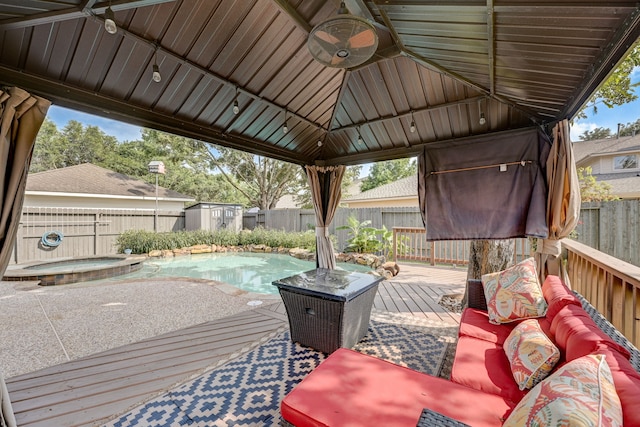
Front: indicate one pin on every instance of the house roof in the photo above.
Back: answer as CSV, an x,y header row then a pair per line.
x,y
584,150
90,179
405,187
440,64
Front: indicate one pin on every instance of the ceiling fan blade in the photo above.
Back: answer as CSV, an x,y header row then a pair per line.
x,y
323,35
335,60
364,38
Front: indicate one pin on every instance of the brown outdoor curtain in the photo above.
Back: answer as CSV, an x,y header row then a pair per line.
x,y
563,200
325,184
21,116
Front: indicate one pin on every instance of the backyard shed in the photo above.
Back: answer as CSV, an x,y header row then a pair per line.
x,y
213,216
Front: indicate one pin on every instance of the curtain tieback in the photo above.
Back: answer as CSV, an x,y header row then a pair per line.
x,y
322,231
549,247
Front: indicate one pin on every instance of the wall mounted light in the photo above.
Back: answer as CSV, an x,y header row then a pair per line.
x,y
236,107
156,70
110,21
412,128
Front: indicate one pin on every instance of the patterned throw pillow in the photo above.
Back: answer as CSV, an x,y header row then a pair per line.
x,y
531,353
514,293
579,394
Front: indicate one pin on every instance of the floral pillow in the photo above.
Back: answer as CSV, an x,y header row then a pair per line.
x,y
579,394
531,353
514,293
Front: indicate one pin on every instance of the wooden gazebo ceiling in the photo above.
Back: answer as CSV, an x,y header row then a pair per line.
x,y
439,63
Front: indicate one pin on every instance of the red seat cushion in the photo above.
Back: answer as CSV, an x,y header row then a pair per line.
x,y
484,366
352,389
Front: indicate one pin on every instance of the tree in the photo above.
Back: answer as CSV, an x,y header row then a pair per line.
x,y
591,190
597,133
385,172
261,180
617,89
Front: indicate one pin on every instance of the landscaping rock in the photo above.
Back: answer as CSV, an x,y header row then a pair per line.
x,y
392,267
155,254
167,253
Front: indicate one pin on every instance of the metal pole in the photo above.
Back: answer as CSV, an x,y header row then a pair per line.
x,y
156,222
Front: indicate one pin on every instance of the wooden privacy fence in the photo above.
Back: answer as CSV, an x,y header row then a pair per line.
x,y
611,227
84,232
612,286
410,244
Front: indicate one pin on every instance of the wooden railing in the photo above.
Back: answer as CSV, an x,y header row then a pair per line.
x,y
410,244
612,286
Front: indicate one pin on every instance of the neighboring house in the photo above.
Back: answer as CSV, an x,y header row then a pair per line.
x,y
615,161
90,186
403,192
288,202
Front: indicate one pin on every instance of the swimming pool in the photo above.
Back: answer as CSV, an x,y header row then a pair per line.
x,y
252,272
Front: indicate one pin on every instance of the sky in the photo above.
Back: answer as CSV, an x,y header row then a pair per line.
x,y
605,118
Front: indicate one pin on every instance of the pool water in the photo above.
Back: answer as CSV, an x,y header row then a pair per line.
x,y
252,272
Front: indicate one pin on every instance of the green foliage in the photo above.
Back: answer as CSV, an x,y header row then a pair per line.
x,y
617,89
141,241
597,133
362,238
591,190
385,172
369,240
261,180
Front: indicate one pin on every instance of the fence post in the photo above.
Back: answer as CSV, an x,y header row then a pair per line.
x,y
433,253
395,245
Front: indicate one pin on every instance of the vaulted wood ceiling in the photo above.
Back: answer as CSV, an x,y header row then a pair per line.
x,y
439,63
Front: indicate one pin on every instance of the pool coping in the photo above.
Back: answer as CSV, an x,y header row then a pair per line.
x,y
122,264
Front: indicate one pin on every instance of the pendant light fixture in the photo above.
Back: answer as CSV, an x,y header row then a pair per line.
x,y
482,120
109,21
412,128
360,140
156,70
236,107
285,128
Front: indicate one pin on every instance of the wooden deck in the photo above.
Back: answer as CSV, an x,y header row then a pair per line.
x,y
91,390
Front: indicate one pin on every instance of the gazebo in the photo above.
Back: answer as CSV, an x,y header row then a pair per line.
x,y
322,84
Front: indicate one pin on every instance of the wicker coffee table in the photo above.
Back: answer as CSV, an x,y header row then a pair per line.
x,y
328,309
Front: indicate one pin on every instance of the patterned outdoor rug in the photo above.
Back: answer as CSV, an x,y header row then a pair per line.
x,y
247,390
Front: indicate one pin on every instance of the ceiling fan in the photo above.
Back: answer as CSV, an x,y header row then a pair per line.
x,y
343,41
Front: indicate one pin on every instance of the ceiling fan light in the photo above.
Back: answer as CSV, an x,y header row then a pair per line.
x,y
109,21
343,41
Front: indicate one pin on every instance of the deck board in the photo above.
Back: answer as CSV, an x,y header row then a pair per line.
x,y
90,390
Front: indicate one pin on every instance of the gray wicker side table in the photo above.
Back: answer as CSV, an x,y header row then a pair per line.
x,y
328,309
431,418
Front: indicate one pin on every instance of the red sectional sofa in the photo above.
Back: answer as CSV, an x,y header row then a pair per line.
x,y
351,389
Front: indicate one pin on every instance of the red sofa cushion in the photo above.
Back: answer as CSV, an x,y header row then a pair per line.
x,y
353,389
475,323
576,334
557,296
484,366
